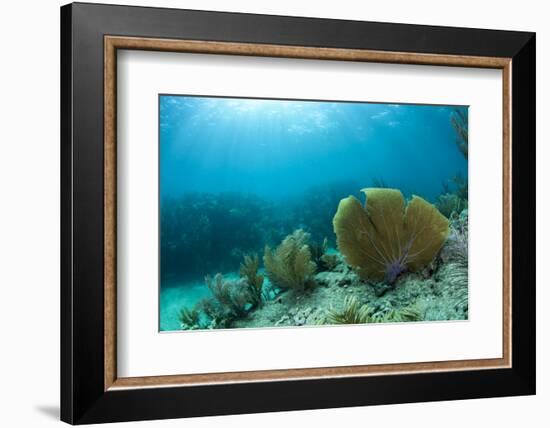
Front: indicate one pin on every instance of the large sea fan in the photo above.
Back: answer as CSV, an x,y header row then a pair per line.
x,y
290,264
385,237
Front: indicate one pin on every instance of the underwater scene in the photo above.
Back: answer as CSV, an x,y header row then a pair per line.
x,y
287,213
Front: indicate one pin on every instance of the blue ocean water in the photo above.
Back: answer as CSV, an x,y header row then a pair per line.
x,y
237,174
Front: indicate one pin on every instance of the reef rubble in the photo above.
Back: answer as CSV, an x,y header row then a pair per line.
x,y
437,297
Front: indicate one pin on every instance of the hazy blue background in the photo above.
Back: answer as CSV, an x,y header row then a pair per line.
x,y
276,148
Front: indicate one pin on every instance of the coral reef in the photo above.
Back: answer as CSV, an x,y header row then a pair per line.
x,y
329,261
455,199
249,270
454,255
453,291
441,296
197,225
352,313
424,275
318,251
189,318
384,238
449,203
237,296
456,247
459,121
231,224
461,186
290,266
405,314
355,313
306,213
213,313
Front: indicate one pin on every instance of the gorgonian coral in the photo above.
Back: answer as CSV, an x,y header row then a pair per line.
x,y
456,248
385,237
237,296
290,265
249,270
351,313
449,203
189,318
355,313
459,120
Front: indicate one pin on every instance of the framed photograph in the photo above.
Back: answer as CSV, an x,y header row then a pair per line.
x,y
266,213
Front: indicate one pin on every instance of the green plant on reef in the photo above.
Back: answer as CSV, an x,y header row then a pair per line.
x,y
385,237
330,261
269,291
215,313
290,266
454,285
461,186
355,313
457,244
236,296
189,318
449,203
249,270
459,121
458,279
352,313
458,275
317,252
406,314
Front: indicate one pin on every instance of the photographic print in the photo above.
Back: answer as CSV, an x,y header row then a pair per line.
x,y
286,213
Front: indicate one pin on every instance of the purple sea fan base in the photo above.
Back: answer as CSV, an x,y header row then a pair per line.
x,y
393,270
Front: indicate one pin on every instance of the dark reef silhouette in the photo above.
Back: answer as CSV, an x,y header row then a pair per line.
x,y
212,232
